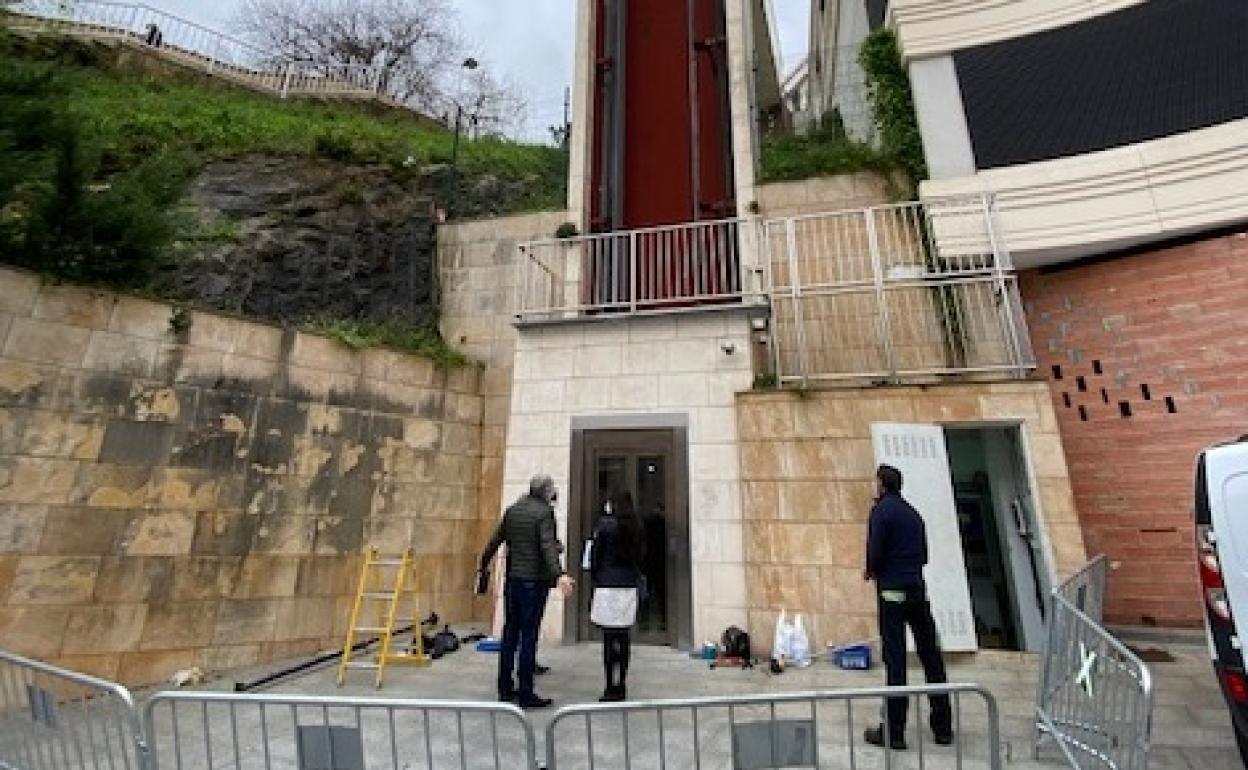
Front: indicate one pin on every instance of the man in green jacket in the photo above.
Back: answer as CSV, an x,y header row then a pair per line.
x,y
533,566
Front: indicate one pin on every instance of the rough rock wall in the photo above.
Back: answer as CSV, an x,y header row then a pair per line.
x,y
184,489
292,239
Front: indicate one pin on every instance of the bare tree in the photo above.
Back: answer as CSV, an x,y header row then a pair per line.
x,y
487,106
412,43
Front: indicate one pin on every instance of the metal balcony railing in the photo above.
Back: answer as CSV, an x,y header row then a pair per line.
x,y
652,270
900,292
905,292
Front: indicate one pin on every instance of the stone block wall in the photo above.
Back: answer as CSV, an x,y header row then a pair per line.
x,y
1145,357
477,283
807,483
689,367
183,489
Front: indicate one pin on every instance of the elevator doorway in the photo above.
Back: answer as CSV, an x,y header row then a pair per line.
x,y
649,465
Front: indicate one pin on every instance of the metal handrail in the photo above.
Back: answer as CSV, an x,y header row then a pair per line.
x,y
910,289
647,270
217,50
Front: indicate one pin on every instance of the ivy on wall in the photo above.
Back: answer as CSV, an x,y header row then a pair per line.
x,y
892,104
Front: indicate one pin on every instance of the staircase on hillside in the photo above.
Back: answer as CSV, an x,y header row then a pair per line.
x,y
196,47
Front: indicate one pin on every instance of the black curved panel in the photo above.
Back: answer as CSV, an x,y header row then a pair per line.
x,y
1157,69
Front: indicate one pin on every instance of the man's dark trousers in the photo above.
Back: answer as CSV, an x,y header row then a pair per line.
x,y
524,603
914,611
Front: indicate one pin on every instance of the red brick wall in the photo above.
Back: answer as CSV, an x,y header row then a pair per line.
x,y
1173,322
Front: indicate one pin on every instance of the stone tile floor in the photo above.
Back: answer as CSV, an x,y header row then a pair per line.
x,y
1191,725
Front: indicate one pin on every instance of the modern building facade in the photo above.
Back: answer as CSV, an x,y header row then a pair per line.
x,y
644,355
1113,137
1042,341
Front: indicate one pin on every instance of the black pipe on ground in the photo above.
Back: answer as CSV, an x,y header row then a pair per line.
x,y
309,664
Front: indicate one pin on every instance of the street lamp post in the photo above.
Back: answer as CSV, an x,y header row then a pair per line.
x,y
469,64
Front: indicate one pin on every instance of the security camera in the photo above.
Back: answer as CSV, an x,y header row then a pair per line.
x,y
728,347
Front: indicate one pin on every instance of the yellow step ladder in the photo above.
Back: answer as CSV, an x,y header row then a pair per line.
x,y
384,583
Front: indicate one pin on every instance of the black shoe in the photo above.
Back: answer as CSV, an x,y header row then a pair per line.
x,y
540,669
507,697
612,694
534,702
875,737
944,739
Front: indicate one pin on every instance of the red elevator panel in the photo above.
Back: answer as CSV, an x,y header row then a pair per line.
x,y
658,142
661,156
662,132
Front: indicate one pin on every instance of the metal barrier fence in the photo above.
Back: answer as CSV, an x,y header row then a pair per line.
x,y
53,719
631,271
890,292
1095,698
204,731
811,729
201,47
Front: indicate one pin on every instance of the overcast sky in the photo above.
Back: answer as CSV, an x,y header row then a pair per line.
x,y
526,41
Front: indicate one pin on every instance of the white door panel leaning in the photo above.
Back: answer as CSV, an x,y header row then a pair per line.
x,y
918,451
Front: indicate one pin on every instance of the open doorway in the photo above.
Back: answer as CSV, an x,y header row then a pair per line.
x,y
1005,568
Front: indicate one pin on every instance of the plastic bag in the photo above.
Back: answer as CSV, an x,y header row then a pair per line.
x,y
782,644
799,643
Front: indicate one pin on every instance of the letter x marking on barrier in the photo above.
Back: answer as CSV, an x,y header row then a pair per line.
x,y
1084,679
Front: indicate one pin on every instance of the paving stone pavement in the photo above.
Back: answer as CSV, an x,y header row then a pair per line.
x,y
1191,725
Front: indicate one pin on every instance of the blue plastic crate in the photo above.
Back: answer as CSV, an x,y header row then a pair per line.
x,y
852,657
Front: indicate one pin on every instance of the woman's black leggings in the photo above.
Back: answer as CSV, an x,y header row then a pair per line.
x,y
616,648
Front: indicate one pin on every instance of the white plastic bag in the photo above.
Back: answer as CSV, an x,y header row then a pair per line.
x,y
799,643
782,645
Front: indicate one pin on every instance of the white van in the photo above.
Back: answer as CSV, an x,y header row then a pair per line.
x,y
1222,550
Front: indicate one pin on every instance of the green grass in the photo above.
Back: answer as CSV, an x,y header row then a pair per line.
x,y
786,158
132,114
423,341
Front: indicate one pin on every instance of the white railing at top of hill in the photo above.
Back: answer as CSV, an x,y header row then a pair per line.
x,y
195,44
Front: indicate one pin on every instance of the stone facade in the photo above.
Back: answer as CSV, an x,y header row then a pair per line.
x,y
670,365
477,279
186,489
807,470
1145,356
820,195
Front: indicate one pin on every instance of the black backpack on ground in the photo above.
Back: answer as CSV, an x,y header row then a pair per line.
x,y
736,644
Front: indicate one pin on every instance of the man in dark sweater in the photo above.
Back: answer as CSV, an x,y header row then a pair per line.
x,y
896,555
533,566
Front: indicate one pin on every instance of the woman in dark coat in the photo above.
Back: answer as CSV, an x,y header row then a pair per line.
x,y
616,557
